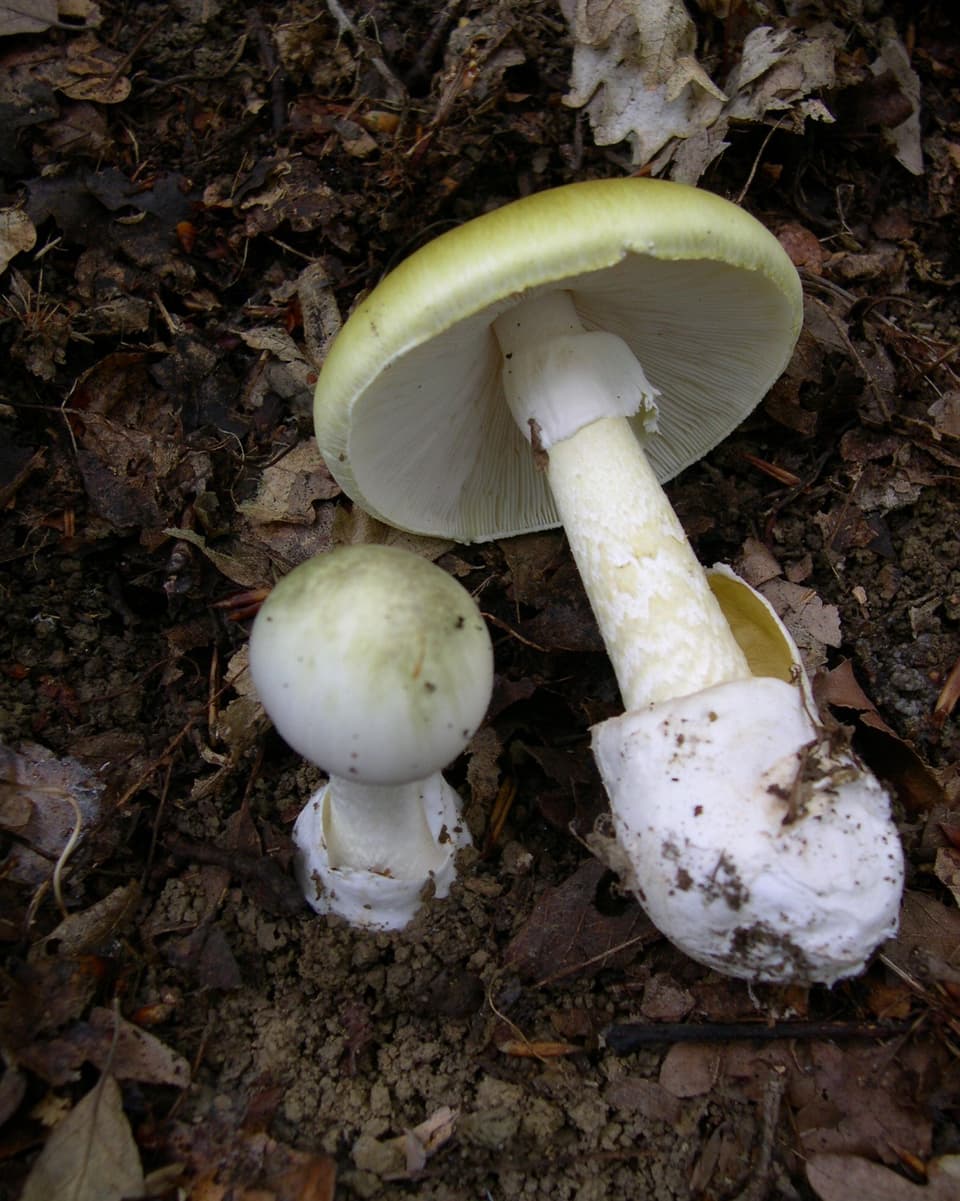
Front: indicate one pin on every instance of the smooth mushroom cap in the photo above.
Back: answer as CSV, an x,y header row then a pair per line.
x,y
410,411
373,663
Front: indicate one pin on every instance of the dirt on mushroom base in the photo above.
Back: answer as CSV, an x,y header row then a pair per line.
x,y
338,1041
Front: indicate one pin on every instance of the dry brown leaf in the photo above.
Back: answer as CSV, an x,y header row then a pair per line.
x,y
928,944
842,1177
62,795
566,933
89,929
402,1157
355,526
947,870
132,1053
90,1155
635,70
860,1100
244,565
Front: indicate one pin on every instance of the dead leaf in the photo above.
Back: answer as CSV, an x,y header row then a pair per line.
x,y
131,1053
244,565
567,934
91,1154
904,137
27,16
17,232
88,71
840,1177
89,929
813,625
928,943
206,954
757,564
891,756
634,69
691,1069
62,796
290,487
352,526
947,870
860,1100
406,1155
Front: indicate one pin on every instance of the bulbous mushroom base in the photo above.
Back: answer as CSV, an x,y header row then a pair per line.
x,y
368,898
755,846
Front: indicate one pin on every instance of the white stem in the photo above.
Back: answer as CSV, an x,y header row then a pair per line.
x,y
663,628
383,828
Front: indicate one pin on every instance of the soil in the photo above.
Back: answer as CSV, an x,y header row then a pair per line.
x,y
228,179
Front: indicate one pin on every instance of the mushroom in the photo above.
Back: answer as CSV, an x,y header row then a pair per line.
x,y
751,835
550,363
376,665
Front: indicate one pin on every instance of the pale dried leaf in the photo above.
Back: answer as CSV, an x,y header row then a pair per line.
x,y
246,566
757,564
904,139
61,793
90,1155
321,313
635,69
17,233
928,943
840,1177
26,16
290,487
813,625
353,527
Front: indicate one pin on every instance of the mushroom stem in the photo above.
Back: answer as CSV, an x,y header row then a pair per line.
x,y
573,390
383,828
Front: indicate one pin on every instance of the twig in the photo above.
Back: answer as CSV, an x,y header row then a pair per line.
x,y
756,161
345,24
622,1040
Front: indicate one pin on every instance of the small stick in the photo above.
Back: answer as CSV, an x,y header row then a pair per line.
x,y
624,1039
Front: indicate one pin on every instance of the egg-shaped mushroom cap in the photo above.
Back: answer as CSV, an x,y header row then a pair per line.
x,y
373,663
409,409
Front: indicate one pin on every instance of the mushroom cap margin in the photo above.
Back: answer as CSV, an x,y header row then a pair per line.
x,y
409,411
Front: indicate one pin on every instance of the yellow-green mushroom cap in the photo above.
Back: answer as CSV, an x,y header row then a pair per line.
x,y
409,409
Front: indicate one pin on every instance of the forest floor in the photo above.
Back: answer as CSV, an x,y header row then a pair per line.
x,y
194,193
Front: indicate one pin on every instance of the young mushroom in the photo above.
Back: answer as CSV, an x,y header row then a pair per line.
x,y
552,362
376,665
